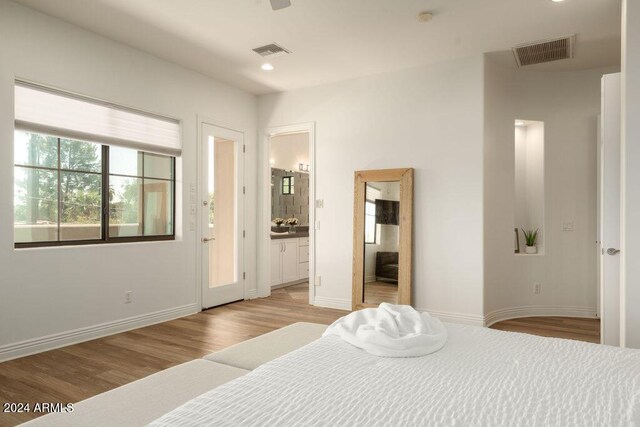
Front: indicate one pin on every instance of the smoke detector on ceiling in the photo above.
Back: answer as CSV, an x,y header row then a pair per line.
x,y
272,50
425,16
544,51
280,4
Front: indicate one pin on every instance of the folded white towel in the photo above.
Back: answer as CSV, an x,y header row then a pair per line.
x,y
391,331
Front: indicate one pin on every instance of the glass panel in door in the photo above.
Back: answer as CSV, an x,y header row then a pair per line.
x,y
222,226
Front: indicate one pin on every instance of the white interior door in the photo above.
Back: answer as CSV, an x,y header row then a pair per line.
x,y
222,216
610,211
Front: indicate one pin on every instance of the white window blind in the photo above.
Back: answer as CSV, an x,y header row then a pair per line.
x,y
44,110
372,193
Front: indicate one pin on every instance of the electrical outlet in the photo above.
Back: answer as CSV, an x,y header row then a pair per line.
x,y
318,281
128,297
317,225
537,288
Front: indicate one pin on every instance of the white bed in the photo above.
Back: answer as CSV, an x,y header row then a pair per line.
x,y
480,377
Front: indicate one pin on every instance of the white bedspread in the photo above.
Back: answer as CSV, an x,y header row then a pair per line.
x,y
481,377
391,331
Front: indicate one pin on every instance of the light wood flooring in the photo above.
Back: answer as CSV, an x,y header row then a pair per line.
x,y
573,328
77,372
377,292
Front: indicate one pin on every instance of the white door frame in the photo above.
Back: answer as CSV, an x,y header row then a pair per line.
x,y
200,186
264,226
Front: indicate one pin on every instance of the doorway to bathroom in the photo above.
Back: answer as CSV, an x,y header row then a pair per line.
x,y
289,197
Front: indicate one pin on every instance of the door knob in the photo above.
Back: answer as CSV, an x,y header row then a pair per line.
x,y
613,251
207,239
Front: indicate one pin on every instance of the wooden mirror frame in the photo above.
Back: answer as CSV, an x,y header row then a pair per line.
x,y
405,246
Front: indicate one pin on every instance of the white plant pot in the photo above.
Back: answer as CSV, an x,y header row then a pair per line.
x,y
531,249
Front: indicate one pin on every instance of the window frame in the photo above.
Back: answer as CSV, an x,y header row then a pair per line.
x,y
104,218
290,183
375,226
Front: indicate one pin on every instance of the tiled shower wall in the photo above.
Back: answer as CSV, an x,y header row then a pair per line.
x,y
290,205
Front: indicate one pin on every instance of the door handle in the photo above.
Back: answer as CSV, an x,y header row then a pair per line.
x,y
613,251
207,239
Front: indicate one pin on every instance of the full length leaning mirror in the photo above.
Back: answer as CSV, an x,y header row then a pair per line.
x,y
382,237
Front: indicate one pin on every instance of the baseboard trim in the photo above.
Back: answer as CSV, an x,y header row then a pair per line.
x,y
63,339
337,303
451,317
538,311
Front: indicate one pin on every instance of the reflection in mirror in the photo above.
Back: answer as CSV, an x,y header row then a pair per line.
x,y
382,238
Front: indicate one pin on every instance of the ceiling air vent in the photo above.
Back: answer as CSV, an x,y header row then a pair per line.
x,y
271,50
544,51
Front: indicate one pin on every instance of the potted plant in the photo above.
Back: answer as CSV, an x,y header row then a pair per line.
x,y
278,222
292,222
531,237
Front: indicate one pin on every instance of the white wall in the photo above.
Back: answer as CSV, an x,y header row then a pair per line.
x,y
630,174
51,291
429,118
289,150
568,103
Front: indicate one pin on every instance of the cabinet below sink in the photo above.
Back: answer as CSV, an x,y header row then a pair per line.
x,y
289,260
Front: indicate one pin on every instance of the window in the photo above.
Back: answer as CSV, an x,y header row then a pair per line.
x,y
85,173
287,185
62,188
370,228
140,193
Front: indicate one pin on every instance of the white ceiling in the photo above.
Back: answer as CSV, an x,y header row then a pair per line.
x,y
334,40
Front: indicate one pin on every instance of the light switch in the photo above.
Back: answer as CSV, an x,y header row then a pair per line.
x,y
192,226
317,225
320,203
567,226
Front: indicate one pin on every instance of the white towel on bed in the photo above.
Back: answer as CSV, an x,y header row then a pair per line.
x,y
391,331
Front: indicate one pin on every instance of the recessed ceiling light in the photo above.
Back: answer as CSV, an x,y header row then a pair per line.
x,y
267,67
